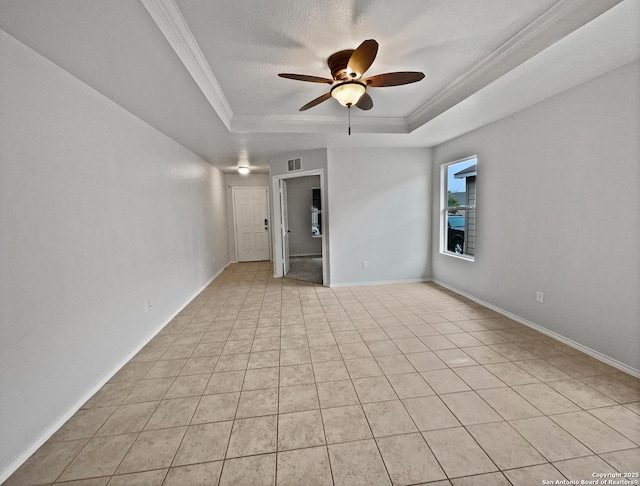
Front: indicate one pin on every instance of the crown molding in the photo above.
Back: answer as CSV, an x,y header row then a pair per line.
x,y
553,24
169,19
315,124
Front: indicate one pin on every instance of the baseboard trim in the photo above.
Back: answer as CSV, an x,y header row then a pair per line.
x,y
67,414
569,342
379,282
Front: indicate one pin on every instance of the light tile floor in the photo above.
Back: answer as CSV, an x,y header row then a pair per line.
x,y
275,381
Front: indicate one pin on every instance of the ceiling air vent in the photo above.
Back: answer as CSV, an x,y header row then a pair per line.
x,y
294,164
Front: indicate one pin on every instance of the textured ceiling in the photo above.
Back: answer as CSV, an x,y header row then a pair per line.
x,y
250,42
205,72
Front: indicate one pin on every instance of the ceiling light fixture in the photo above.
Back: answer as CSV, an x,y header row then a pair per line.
x,y
348,93
244,170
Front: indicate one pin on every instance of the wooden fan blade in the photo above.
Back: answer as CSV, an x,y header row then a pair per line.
x,y
362,58
393,79
317,101
365,102
305,77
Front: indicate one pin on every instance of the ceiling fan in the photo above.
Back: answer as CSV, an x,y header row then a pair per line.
x,y
347,68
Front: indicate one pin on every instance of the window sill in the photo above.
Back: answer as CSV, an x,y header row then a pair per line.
x,y
469,258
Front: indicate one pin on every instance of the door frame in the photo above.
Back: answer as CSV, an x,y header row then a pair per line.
x,y
284,230
277,220
235,229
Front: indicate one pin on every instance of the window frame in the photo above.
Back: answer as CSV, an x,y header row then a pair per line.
x,y
445,208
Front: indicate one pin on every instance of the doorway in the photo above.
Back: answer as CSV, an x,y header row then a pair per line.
x,y
299,238
251,216
302,215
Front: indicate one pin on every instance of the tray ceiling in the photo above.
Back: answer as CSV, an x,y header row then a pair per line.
x,y
205,73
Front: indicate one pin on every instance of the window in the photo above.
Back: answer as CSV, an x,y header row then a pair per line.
x,y
316,212
458,220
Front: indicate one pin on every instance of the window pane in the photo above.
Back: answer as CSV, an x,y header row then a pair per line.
x,y
455,232
461,232
461,183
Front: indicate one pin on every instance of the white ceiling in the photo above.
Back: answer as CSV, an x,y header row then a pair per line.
x,y
205,72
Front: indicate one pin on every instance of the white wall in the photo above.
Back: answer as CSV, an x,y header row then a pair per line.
x,y
379,201
98,212
301,241
309,159
558,204
238,180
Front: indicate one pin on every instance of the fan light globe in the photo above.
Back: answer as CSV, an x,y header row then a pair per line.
x,y
348,93
244,170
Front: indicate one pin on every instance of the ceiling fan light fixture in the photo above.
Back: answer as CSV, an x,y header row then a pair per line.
x,y
347,68
244,170
348,93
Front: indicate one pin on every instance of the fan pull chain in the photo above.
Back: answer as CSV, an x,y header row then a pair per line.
x,y
349,119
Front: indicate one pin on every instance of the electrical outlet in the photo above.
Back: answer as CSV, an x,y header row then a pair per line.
x,y
539,296
365,264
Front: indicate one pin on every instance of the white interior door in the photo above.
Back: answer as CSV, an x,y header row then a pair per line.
x,y
285,226
252,223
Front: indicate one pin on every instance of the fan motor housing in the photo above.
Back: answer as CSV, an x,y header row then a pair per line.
x,y
338,64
